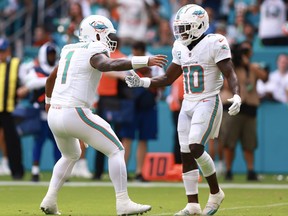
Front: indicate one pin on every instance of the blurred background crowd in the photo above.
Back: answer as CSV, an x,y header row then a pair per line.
x,y
32,23
29,26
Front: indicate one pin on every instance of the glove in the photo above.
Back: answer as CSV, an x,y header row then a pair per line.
x,y
136,81
235,107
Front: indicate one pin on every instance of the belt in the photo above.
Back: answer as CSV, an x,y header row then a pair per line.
x,y
58,106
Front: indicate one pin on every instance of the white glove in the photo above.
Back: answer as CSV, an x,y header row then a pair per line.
x,y
133,81
236,103
136,81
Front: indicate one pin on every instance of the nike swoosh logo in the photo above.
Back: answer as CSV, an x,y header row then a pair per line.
x,y
220,40
205,100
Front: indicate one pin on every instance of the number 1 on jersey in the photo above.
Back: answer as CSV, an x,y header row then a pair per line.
x,y
68,58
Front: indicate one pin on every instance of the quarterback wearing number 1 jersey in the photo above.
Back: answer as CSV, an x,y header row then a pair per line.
x,y
70,92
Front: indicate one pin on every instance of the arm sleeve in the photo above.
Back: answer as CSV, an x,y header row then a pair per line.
x,y
221,48
98,47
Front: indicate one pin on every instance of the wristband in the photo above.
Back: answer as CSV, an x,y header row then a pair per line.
x,y
146,82
47,100
139,61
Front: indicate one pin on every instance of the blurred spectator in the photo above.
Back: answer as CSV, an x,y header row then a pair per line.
x,y
35,82
243,126
133,20
165,34
241,30
85,6
75,16
286,86
8,8
214,5
100,7
51,14
212,20
41,36
10,82
274,88
224,9
174,99
248,8
273,16
159,32
249,32
145,123
110,92
68,27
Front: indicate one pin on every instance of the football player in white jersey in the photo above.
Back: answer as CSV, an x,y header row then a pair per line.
x,y
70,92
203,60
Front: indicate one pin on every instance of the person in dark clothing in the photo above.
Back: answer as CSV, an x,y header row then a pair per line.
x,y
9,67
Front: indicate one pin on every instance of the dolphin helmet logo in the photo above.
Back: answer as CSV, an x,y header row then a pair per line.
x,y
98,26
198,13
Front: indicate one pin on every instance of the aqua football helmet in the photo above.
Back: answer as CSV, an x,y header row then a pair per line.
x,y
97,28
190,22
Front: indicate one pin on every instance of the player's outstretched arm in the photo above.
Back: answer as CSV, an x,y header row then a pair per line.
x,y
103,63
172,73
157,60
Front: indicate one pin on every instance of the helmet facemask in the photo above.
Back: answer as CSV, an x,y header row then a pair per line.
x,y
111,43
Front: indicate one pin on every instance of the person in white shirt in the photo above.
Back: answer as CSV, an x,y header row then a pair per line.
x,y
70,92
203,60
273,17
133,20
275,87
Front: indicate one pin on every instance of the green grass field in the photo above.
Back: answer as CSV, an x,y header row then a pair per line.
x,y
90,198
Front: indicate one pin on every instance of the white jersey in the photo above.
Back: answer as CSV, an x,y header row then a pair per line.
x,y
202,77
77,80
133,19
272,18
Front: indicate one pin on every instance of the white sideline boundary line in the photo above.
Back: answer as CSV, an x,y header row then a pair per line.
x,y
259,206
146,185
236,208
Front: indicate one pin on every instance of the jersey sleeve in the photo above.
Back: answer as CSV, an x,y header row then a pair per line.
x,y
98,47
221,48
176,54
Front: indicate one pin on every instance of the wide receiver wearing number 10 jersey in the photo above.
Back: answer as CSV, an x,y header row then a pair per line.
x,y
203,60
202,80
